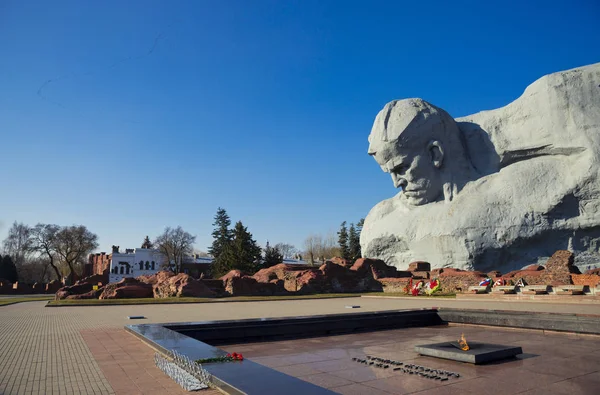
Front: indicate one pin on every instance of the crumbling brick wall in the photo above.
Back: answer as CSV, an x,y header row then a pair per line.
x,y
591,280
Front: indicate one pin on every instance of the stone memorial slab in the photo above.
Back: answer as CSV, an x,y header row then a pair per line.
x,y
479,289
478,353
569,289
535,290
505,289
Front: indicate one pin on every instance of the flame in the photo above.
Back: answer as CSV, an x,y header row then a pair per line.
x,y
463,343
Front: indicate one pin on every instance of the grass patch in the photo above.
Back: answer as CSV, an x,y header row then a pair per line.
x,y
7,301
115,302
400,294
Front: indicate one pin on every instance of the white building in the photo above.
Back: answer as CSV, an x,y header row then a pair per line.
x,y
135,262
141,261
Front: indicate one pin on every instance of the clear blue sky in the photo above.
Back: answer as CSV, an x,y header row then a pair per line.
x,y
131,116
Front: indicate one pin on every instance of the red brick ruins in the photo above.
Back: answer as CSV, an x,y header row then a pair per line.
x,y
98,263
8,288
334,276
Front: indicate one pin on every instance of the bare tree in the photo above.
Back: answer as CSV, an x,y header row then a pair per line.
x,y
319,248
313,246
287,250
72,245
43,242
174,245
329,247
17,243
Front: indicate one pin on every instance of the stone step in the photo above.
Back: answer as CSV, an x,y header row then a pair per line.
x,y
534,292
569,292
535,289
570,286
479,289
504,291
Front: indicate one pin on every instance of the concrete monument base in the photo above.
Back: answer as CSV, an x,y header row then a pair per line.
x,y
478,353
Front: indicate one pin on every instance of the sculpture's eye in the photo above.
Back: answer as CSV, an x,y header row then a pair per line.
x,y
399,169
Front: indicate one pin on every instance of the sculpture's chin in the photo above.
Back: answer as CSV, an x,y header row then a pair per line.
x,y
421,196
415,201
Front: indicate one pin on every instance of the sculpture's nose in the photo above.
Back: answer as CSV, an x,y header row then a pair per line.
x,y
399,182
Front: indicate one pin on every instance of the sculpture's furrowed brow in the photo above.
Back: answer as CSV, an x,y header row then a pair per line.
x,y
396,162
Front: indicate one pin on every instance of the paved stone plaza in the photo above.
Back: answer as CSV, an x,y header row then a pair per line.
x,y
84,350
551,364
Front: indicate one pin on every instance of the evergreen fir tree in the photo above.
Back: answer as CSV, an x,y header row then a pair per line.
x,y
8,270
248,252
221,234
343,241
359,226
272,256
147,243
354,243
225,262
241,253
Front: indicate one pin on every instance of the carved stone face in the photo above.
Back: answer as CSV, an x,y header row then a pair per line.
x,y
416,171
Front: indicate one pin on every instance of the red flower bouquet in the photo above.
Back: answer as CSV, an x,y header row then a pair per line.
x,y
227,358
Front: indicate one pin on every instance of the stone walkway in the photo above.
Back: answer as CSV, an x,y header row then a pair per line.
x,y
128,365
44,350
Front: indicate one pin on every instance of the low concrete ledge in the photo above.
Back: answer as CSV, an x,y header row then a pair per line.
x,y
519,297
584,324
571,289
536,290
479,289
237,378
504,289
271,329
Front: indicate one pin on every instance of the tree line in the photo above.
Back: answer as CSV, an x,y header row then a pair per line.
x,y
318,248
45,252
232,248
349,240
48,251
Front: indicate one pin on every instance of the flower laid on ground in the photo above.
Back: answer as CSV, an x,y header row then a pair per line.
x,y
432,286
227,358
416,289
421,287
236,357
408,287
